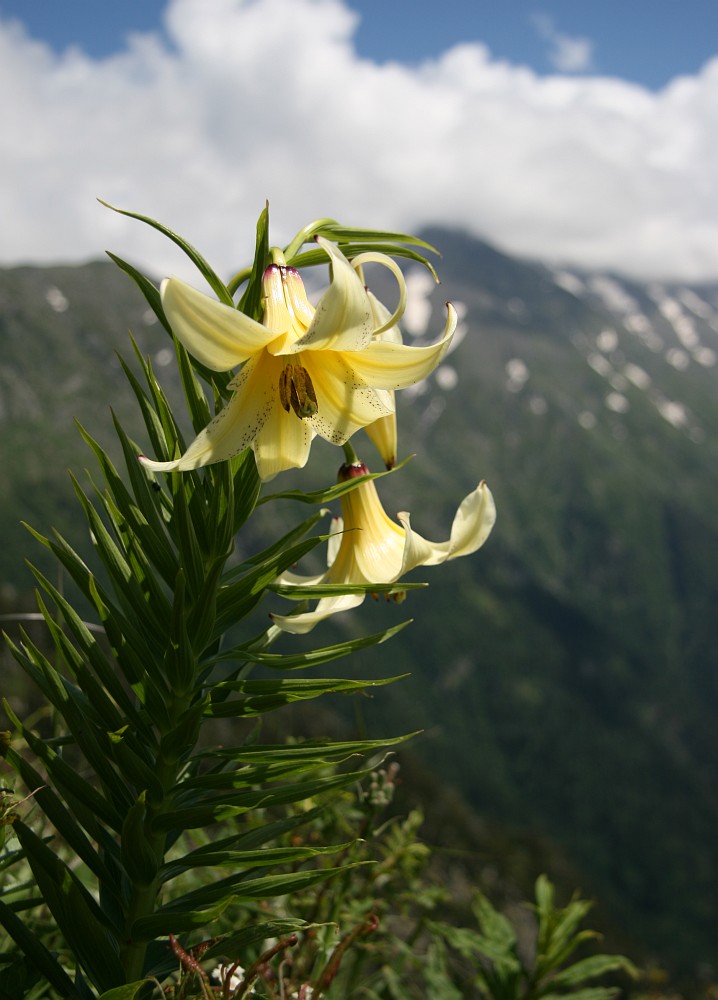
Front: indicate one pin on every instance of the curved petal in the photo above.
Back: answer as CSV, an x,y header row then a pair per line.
x,y
300,624
417,551
387,365
343,318
344,402
384,330
472,525
391,319
219,336
298,580
473,522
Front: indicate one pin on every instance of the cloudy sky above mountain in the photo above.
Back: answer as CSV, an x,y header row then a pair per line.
x,y
554,133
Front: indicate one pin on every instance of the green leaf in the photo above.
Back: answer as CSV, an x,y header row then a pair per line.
x,y
264,857
196,400
321,750
592,968
37,953
266,886
167,921
295,661
77,914
239,597
234,803
127,992
331,492
149,614
197,259
179,662
78,716
67,779
55,810
164,434
250,302
235,944
90,648
497,929
140,514
137,855
150,291
265,696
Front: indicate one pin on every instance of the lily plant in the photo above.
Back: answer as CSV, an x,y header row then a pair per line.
x,y
140,840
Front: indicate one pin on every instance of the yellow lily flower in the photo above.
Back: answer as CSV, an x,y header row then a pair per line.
x,y
369,548
304,372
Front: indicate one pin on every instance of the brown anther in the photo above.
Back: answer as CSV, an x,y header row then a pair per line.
x,y
296,391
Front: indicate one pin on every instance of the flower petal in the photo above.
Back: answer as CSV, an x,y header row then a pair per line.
x,y
300,624
344,402
383,435
283,442
237,424
387,365
472,525
219,336
343,318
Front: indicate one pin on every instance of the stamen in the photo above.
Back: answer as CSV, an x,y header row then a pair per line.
x,y
297,392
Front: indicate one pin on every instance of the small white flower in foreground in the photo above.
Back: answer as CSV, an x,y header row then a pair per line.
x,y
372,548
235,973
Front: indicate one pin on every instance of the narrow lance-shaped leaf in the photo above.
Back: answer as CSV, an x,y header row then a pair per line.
x,y
68,780
197,259
77,914
36,952
137,854
265,696
312,657
179,663
57,812
90,649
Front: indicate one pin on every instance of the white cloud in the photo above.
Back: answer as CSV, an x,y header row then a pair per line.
x,y
568,53
246,100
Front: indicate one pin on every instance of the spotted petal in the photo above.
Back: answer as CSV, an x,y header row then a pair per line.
x,y
236,426
343,317
345,403
387,365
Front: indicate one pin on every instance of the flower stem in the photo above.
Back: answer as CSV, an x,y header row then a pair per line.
x,y
350,454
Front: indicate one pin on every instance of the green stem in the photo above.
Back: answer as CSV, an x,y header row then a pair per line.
x,y
305,234
143,898
238,279
350,454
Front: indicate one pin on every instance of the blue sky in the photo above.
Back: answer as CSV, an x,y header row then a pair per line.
x,y
645,42
585,135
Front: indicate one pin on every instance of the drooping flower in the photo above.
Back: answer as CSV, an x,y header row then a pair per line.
x,y
304,371
369,548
